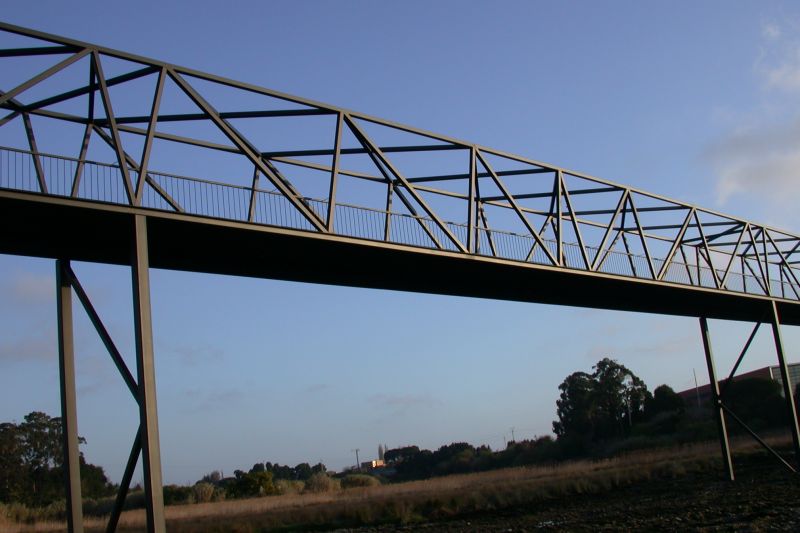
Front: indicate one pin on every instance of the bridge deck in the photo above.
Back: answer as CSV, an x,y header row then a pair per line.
x,y
47,226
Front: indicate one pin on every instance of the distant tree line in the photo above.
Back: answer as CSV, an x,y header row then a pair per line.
x,y
598,414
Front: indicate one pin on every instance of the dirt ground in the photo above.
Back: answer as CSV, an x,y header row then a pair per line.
x,y
764,497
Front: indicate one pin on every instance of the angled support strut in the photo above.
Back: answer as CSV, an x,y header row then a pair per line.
x,y
719,412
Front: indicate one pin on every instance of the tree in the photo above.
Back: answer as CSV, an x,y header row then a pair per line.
x,y
249,484
664,400
212,477
31,469
575,406
13,476
302,472
600,406
620,398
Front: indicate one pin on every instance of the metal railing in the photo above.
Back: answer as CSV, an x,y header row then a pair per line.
x,y
102,182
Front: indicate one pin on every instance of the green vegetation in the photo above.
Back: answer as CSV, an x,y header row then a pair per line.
x,y
30,464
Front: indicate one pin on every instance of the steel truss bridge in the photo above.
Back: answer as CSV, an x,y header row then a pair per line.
x,y
107,158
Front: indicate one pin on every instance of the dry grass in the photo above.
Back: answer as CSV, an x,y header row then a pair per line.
x,y
418,500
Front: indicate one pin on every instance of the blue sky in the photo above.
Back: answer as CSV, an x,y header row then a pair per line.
x,y
697,101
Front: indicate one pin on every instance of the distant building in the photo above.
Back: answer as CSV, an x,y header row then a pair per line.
x,y
702,394
370,465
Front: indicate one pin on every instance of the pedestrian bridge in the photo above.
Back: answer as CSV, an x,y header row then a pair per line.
x,y
111,157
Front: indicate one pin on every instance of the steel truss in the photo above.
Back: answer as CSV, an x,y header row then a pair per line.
x,y
539,213
718,397
458,198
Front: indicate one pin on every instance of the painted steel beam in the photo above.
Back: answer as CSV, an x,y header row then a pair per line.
x,y
145,366
717,407
69,410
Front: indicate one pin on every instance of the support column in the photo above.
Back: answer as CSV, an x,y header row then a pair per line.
x,y
787,384
719,414
145,365
69,414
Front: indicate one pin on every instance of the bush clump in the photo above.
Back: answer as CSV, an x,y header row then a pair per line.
x,y
359,480
202,492
321,482
289,486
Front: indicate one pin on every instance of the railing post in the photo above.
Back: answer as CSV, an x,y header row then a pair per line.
x,y
145,365
719,414
69,415
787,383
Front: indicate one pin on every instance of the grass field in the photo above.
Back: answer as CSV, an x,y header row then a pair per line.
x,y
444,500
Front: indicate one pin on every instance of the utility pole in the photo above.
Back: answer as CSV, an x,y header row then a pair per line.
x,y
358,465
513,438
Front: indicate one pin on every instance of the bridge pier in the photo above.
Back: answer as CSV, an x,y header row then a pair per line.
x,y
788,394
143,388
145,365
69,412
720,408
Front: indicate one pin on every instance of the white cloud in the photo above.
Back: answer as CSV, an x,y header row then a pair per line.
x,y
759,159
762,161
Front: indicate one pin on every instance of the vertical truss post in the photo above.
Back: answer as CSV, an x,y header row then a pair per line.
x,y
560,241
387,228
69,414
145,365
471,202
716,402
787,384
251,211
744,276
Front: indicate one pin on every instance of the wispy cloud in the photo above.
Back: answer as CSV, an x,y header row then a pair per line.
x,y
31,348
203,400
760,155
403,401
193,354
761,160
26,288
668,346
317,387
778,63
771,31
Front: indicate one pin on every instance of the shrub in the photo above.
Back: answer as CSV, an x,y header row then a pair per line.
x,y
359,480
249,484
177,495
202,492
288,486
321,482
